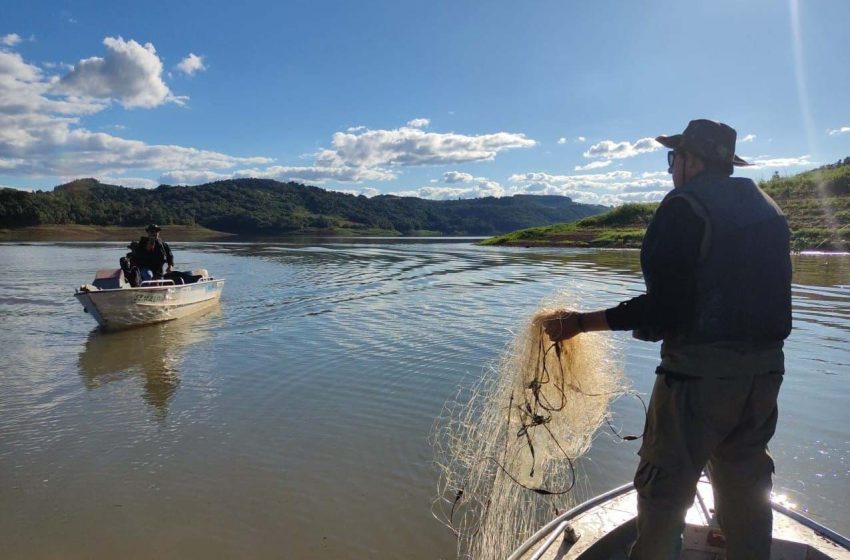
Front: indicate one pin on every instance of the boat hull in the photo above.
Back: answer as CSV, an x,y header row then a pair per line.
x,y
133,307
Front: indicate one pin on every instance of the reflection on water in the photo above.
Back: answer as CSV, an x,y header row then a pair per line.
x,y
821,270
293,423
153,353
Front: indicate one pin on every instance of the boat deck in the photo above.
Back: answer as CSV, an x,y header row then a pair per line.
x,y
606,531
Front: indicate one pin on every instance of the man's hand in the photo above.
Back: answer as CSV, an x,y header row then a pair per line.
x,y
169,268
560,325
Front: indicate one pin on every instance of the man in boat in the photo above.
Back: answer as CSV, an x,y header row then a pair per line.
x,y
151,253
716,263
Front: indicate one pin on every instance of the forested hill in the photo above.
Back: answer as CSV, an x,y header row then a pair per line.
x,y
266,207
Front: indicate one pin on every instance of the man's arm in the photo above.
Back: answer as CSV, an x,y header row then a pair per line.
x,y
669,304
169,258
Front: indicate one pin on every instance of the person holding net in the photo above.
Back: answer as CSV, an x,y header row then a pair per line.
x,y
716,264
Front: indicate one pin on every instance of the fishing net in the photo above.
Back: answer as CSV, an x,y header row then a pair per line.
x,y
506,447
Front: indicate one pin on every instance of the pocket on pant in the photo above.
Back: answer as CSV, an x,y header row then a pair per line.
x,y
646,474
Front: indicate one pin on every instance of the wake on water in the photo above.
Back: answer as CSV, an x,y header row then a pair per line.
x,y
506,447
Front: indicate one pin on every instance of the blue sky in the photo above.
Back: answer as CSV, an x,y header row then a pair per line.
x,y
433,99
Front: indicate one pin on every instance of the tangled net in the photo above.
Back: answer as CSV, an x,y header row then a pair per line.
x,y
506,448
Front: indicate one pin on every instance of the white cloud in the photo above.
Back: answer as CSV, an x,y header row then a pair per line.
x,y
10,40
191,177
369,192
593,165
191,64
612,188
40,134
407,146
581,139
762,162
131,182
837,131
608,149
298,174
457,177
482,189
586,179
318,173
129,72
562,140
419,123
748,138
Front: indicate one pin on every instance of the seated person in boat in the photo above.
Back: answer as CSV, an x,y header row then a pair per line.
x,y
151,253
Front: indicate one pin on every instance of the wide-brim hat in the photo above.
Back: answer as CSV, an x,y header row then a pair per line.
x,y
153,227
709,140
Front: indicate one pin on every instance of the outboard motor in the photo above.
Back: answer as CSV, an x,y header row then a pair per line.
x,y
131,272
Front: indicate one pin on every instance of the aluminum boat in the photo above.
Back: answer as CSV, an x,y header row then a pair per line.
x,y
604,529
116,305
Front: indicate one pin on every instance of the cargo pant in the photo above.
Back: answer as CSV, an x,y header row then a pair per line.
x,y
724,424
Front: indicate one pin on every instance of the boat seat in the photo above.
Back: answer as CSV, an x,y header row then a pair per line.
x,y
110,279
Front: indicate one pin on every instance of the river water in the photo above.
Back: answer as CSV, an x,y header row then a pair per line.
x,y
292,421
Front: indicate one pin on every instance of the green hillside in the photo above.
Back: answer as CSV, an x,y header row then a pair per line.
x,y
260,207
816,203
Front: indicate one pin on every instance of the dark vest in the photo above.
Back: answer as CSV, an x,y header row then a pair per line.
x,y
153,260
743,294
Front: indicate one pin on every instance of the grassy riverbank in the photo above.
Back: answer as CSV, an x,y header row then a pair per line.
x,y
74,232
816,202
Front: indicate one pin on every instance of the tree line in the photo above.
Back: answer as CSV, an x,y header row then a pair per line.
x,y
268,207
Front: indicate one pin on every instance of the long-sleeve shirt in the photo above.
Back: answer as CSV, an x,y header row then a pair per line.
x,y
155,258
671,262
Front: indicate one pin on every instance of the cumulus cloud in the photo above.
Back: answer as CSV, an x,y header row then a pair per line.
x,y
41,135
584,179
419,123
593,165
748,138
132,182
761,162
581,139
483,188
129,72
318,173
562,140
457,177
611,188
408,146
283,173
42,132
837,131
10,40
608,149
191,64
188,177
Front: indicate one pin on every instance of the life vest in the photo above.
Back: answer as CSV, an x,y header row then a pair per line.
x,y
742,310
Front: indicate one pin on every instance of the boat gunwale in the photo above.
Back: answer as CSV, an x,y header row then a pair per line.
x,y
568,515
78,291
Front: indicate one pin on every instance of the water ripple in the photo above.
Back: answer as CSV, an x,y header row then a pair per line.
x,y
293,420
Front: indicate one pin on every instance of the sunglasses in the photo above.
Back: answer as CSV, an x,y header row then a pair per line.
x,y
671,157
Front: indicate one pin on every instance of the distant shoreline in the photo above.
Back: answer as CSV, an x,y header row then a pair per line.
x,y
76,232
